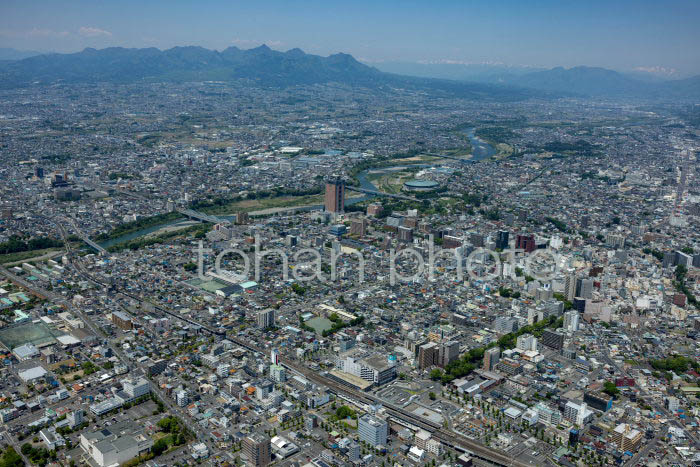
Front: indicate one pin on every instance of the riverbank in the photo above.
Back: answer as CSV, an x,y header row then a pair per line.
x,y
271,205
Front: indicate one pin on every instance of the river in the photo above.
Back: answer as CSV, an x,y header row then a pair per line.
x,y
480,150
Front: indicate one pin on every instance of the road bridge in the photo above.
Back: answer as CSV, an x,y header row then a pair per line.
x,y
201,216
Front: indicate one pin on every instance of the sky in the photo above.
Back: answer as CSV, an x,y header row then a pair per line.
x,y
617,34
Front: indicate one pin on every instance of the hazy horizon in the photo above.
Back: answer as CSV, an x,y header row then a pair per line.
x,y
624,35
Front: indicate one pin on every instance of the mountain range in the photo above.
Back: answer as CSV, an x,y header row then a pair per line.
x,y
266,67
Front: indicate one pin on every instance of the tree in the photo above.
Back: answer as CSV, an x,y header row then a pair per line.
x,y
432,396
159,447
610,388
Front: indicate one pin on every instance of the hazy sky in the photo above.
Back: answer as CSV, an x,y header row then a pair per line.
x,y
615,34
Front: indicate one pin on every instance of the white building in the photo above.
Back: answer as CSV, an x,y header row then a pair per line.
x,y
135,388
372,430
526,342
579,414
571,320
115,444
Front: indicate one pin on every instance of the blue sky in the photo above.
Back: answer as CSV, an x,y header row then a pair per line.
x,y
621,35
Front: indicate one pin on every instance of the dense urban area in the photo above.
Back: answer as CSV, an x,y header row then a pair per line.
x,y
326,275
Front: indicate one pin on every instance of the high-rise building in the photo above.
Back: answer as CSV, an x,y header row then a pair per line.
x,y
598,400
256,448
502,240
579,414
505,325
335,195
584,288
526,342
626,438
182,398
405,234
449,352
374,209
683,259
570,285
372,430
571,320
75,417
526,243
428,355
491,357
552,339
278,373
358,227
476,239
266,318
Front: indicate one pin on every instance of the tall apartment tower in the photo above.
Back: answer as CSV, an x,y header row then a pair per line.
x,y
428,355
266,318
256,448
335,195
491,357
570,285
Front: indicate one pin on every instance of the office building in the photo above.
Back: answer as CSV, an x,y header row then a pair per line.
x,y
135,388
335,195
116,444
358,227
374,209
449,352
584,288
547,415
491,357
405,234
502,240
505,325
598,400
373,368
266,318
256,449
552,339
509,367
372,430
526,243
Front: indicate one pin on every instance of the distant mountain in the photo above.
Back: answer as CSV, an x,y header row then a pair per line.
x,y
476,72
591,81
583,80
14,54
580,80
260,65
